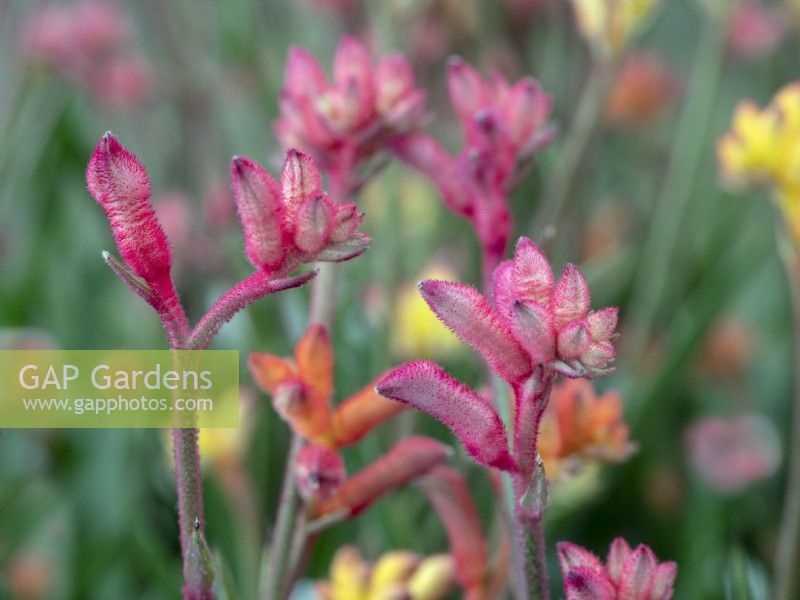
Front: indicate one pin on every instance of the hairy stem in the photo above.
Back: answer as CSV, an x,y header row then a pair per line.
x,y
788,549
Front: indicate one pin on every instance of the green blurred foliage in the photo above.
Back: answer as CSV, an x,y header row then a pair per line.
x,y
98,507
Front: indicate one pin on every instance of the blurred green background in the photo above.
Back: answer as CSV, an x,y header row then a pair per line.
x,y
91,514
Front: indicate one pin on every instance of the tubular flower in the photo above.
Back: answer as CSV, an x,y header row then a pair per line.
x,y
626,575
410,459
396,574
609,26
580,426
293,221
349,119
302,387
448,492
763,147
504,126
537,328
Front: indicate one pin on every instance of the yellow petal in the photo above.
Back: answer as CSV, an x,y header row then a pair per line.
x,y
433,579
392,568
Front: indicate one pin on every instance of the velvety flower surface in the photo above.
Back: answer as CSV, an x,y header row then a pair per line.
x,y
538,326
397,574
293,221
352,116
301,388
626,575
579,426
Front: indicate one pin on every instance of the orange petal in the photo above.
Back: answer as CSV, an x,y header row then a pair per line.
x,y
314,358
410,459
269,371
448,492
360,413
308,415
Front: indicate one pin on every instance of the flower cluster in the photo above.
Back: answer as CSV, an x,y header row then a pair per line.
x,y
609,26
293,222
626,575
90,44
580,426
348,120
301,389
396,574
503,126
763,147
538,327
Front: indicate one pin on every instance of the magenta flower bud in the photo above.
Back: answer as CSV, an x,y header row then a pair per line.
x,y
119,183
466,88
319,472
618,553
586,584
602,324
570,300
261,211
573,341
314,223
531,275
425,386
598,356
346,221
572,556
638,574
474,321
533,327
300,179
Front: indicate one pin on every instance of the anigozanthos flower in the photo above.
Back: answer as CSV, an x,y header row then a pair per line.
x,y
763,147
608,25
579,426
626,575
416,332
302,387
397,574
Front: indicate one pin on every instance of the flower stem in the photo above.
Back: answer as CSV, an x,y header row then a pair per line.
x,y
786,560
284,525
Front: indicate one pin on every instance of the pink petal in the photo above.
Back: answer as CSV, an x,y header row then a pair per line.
x,y
502,288
570,300
303,75
394,79
526,110
469,315
532,276
573,341
603,323
599,355
663,580
617,555
314,223
346,221
571,556
586,584
467,90
638,574
258,199
352,60
426,387
300,179
119,183
533,327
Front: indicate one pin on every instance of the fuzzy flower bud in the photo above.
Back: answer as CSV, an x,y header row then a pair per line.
x,y
319,472
293,221
626,575
364,107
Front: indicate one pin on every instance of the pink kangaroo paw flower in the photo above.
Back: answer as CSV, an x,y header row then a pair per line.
x,y
319,471
410,459
617,555
426,387
570,300
663,580
300,179
314,223
531,275
119,183
586,584
467,90
304,75
571,556
638,575
261,210
471,317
